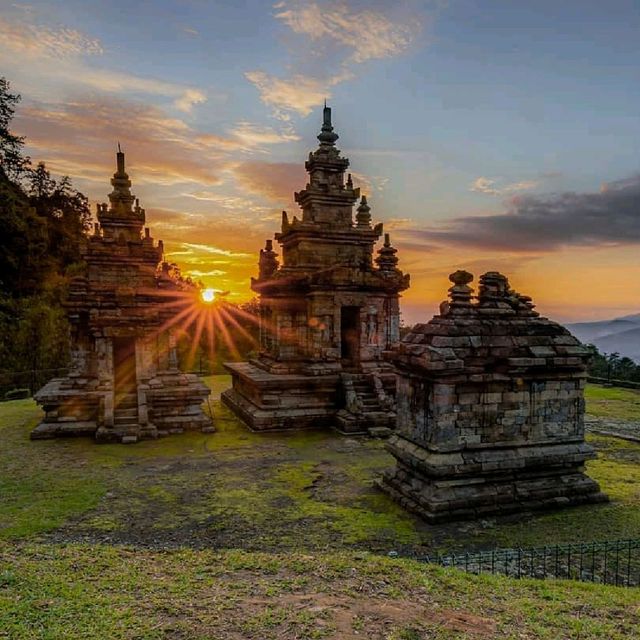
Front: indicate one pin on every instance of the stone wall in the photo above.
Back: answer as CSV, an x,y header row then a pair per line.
x,y
490,408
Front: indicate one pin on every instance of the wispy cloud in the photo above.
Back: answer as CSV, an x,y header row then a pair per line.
x,y
226,201
163,149
62,55
33,40
197,273
208,248
254,135
275,181
365,34
332,35
493,187
299,93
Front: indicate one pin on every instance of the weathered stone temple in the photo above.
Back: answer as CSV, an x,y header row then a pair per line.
x,y
490,409
124,383
328,312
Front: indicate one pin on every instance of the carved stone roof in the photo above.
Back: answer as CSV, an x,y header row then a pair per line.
x,y
496,336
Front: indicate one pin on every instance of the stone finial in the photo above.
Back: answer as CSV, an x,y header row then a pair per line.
x,y
349,182
363,214
387,259
121,198
522,304
120,160
327,136
493,290
285,222
460,292
268,263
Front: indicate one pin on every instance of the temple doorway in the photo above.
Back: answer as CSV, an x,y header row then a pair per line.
x,y
350,335
124,366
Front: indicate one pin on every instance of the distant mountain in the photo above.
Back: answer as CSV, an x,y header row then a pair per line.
x,y
620,334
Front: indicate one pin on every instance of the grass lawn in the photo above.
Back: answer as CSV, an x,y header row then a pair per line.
x,y
241,535
613,402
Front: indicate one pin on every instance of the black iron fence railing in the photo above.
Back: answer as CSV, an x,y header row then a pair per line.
x,y
626,384
12,382
614,562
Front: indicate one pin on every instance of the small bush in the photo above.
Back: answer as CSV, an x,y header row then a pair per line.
x,y
17,394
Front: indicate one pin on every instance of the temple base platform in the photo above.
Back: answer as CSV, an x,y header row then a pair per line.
x,y
472,484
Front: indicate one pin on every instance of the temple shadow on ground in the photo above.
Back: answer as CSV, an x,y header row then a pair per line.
x,y
236,489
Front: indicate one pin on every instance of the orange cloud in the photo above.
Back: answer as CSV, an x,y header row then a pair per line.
x,y
300,93
39,41
275,181
161,149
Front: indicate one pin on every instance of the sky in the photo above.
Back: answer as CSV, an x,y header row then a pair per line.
x,y
488,135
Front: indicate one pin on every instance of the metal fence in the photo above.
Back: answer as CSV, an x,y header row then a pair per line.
x,y
614,562
626,384
32,380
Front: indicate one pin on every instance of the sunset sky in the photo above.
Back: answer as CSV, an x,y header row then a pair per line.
x,y
488,134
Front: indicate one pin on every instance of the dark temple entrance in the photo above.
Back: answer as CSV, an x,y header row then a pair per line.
x,y
350,335
124,366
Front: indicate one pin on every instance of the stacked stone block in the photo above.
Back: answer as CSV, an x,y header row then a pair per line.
x,y
125,295
490,409
328,279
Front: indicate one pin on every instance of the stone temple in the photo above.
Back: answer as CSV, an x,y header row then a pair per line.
x,y
328,312
490,409
124,384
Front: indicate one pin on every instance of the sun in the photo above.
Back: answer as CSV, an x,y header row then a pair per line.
x,y
208,295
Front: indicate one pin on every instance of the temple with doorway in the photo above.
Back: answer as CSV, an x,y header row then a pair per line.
x,y
329,309
124,382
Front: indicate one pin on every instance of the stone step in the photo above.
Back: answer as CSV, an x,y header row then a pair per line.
x,y
126,421
380,432
126,413
125,402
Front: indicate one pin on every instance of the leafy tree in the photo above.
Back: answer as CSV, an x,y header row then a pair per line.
x,y
612,367
66,212
43,222
12,161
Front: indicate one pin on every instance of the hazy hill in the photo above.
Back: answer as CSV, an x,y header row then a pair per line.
x,y
620,334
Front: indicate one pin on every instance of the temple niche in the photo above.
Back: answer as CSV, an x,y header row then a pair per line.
x,y
124,382
490,409
328,312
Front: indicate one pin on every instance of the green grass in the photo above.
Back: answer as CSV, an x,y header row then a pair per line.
x,y
115,541
234,488
40,493
80,591
614,403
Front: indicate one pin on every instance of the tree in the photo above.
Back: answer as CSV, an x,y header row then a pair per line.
x,y
43,222
66,212
12,161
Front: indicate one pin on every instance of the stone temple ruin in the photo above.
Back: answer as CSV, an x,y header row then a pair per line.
x,y
328,312
490,409
124,383
487,398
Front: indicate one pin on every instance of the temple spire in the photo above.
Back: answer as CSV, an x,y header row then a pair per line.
x,y
121,198
120,161
387,260
327,136
363,215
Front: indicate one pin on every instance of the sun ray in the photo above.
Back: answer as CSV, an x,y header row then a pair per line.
x,y
228,316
